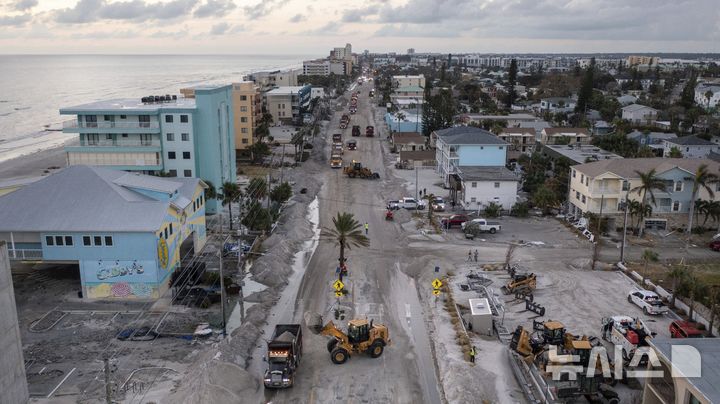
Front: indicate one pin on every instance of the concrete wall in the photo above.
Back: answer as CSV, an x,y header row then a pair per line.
x,y
13,384
482,155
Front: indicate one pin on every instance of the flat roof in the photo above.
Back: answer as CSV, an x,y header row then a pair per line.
x,y
129,105
709,349
582,153
285,90
479,307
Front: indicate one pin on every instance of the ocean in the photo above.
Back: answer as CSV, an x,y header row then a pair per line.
x,y
34,88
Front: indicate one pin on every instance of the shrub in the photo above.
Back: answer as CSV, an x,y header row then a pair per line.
x,y
520,209
493,210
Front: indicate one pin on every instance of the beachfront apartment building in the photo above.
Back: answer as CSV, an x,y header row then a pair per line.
x,y
612,181
287,104
409,81
179,137
707,95
521,140
466,146
127,232
276,78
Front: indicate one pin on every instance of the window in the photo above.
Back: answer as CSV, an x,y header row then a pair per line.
x,y
97,241
87,241
497,185
68,240
168,118
243,119
587,181
173,173
108,118
185,137
186,155
583,199
144,121
574,172
500,147
687,149
171,229
577,195
676,206
188,173
123,116
108,241
678,186
625,185
59,240
49,240
124,135
243,109
170,137
582,178
92,139
166,232
91,121
244,140
243,98
145,139
473,184
184,118
171,155
108,136
243,130
473,199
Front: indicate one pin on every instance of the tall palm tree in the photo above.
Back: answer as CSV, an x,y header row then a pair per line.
x,y
701,208
211,191
230,192
648,256
714,297
677,274
694,285
430,198
710,209
257,188
702,179
649,182
346,232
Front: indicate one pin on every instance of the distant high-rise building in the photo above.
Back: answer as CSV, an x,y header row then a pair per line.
x,y
411,51
635,60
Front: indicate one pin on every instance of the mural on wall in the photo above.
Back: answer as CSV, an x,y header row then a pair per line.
x,y
121,290
117,269
162,253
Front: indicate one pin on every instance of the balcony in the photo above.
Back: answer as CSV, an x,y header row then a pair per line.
x,y
74,126
25,254
119,143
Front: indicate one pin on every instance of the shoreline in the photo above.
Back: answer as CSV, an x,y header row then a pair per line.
x,y
33,164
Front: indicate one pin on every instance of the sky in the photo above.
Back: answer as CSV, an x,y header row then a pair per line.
x,y
306,27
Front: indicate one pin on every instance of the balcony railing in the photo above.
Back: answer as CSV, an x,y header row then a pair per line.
x,y
25,254
120,143
74,124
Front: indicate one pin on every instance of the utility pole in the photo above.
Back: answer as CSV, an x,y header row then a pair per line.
x,y
108,387
627,203
282,163
416,182
222,278
602,202
267,189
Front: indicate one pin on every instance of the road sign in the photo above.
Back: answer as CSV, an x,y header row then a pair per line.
x,y
436,292
436,283
338,285
339,293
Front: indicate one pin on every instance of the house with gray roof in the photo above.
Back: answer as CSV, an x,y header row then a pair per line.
x,y
691,147
639,114
126,232
654,140
480,186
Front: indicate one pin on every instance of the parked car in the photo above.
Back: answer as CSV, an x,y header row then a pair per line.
x,y
438,204
685,329
482,226
648,301
715,245
454,220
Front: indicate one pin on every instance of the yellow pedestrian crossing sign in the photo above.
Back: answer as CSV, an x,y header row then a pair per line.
x,y
339,293
338,285
436,284
436,292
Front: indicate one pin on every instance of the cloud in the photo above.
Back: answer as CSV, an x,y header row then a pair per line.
x,y
14,21
105,35
358,14
263,8
416,31
215,8
86,11
219,29
22,5
298,18
170,34
330,28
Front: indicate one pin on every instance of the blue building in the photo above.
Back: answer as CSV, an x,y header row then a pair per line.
x,y
180,137
466,146
127,231
404,121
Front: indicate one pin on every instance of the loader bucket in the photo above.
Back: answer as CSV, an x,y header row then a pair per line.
x,y
314,322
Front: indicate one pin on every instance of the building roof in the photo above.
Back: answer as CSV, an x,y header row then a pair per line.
x,y
558,99
424,155
84,198
518,131
708,349
509,117
626,167
692,140
285,90
410,89
714,156
407,137
635,107
489,173
125,105
581,154
479,306
468,135
565,131
652,135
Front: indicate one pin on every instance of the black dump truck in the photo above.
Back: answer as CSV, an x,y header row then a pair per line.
x,y
283,356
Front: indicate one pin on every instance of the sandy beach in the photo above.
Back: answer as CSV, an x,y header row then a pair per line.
x,y
33,165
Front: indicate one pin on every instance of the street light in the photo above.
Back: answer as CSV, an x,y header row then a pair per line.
x,y
626,205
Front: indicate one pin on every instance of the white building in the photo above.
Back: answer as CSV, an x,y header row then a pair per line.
x,y
481,186
409,81
691,147
287,104
707,95
317,67
639,114
557,104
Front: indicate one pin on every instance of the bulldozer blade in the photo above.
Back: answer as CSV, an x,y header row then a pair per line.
x,y
314,322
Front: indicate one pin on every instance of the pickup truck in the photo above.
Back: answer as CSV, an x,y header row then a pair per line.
x,y
648,301
482,226
685,329
406,203
283,356
454,220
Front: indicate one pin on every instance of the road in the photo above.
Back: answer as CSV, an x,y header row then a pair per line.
x,y
405,373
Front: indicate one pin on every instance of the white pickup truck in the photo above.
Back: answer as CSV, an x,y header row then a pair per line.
x,y
648,301
406,203
481,225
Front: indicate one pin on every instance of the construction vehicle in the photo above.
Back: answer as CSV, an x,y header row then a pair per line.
x,y
362,337
356,130
336,161
370,131
283,356
534,358
357,170
522,284
627,332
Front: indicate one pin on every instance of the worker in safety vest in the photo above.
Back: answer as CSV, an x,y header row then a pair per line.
x,y
473,352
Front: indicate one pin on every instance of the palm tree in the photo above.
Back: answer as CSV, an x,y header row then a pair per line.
x,y
648,256
649,181
711,209
677,274
702,180
346,232
430,198
694,285
211,191
714,297
257,188
230,192
701,208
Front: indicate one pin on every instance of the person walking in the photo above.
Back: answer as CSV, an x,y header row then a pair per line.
x,y
367,227
425,191
476,255
473,352
469,256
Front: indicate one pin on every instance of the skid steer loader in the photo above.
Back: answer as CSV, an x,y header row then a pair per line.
x,y
520,284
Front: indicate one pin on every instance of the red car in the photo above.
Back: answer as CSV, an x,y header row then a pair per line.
x,y
685,329
715,245
454,220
